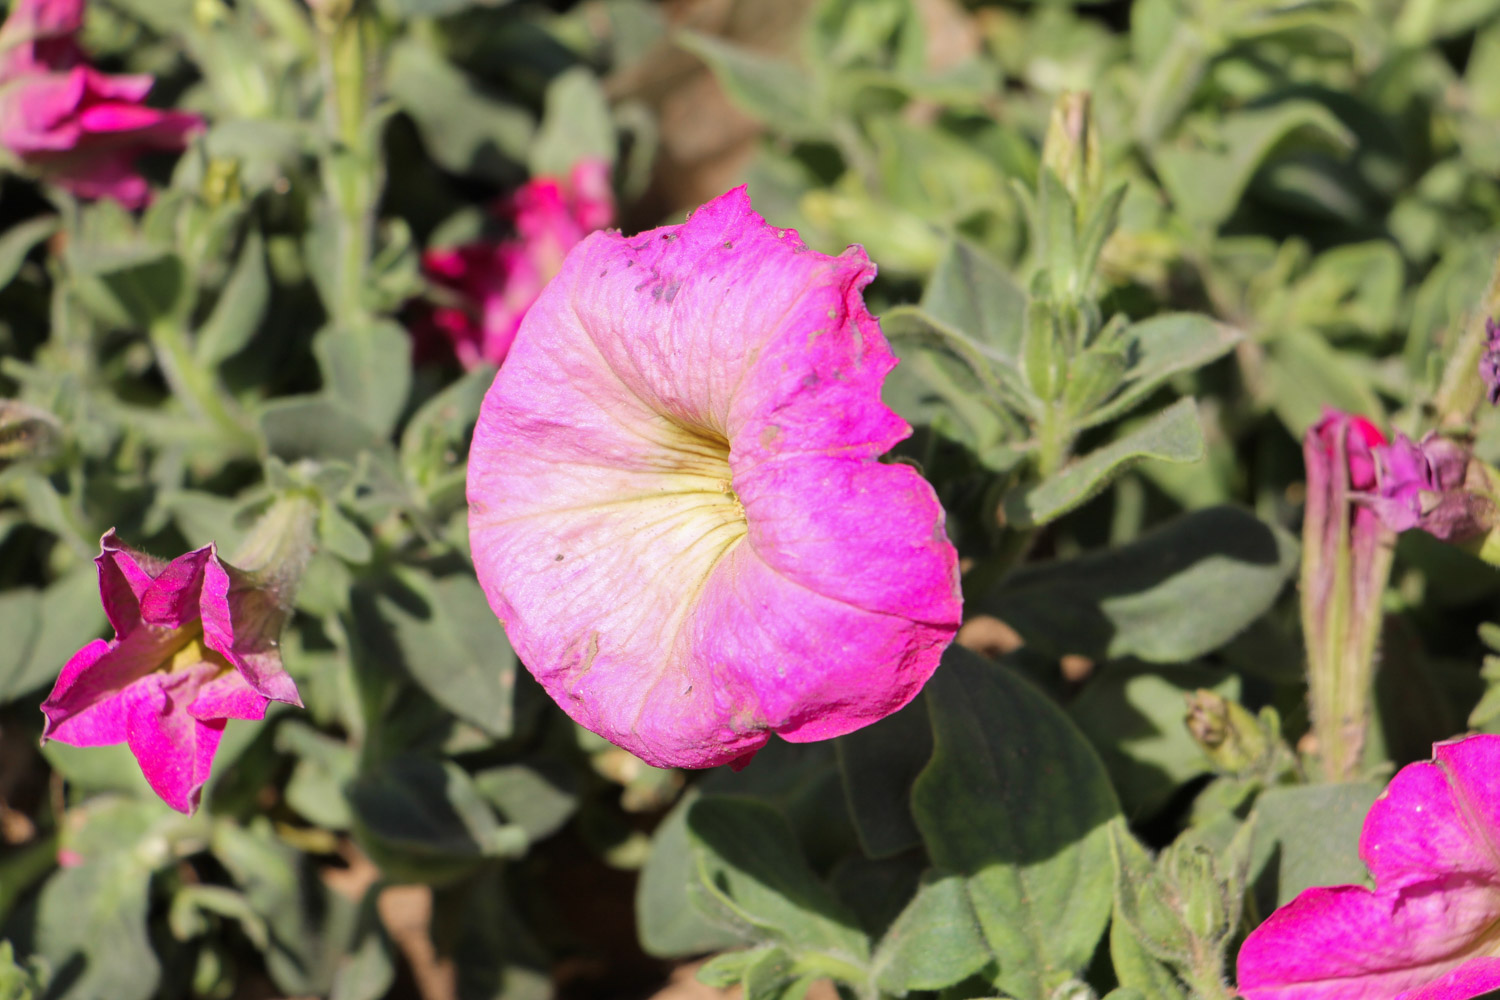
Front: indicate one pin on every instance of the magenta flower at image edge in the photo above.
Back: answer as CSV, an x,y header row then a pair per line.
x,y
73,125
1428,930
195,645
676,506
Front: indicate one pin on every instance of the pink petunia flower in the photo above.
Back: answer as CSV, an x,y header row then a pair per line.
x,y
195,645
495,283
1428,930
78,127
676,505
1489,361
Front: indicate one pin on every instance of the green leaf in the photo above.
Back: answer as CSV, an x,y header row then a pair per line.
x,y
18,241
1134,717
464,130
749,863
669,924
324,767
538,796
1137,970
130,288
310,926
878,764
450,643
969,291
1173,435
1308,835
423,820
314,427
367,369
934,943
20,618
91,919
1016,801
241,306
576,125
771,90
1176,593
1159,348
1207,184
1304,375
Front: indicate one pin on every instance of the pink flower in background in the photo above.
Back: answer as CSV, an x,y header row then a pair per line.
x,y
195,645
495,283
676,503
1489,361
79,128
1430,929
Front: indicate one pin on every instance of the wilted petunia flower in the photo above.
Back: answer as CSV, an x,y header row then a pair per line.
x,y
195,645
1427,929
78,127
675,500
495,283
1489,361
1435,486
1346,557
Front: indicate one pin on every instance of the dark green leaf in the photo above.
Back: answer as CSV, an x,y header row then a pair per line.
x,y
423,820
368,370
463,129
241,306
18,241
1174,594
934,943
1159,348
1134,718
878,764
1016,801
1308,835
669,924
452,645
749,862
314,427
1173,435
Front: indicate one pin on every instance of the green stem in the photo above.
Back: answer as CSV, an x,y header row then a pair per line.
x,y
196,386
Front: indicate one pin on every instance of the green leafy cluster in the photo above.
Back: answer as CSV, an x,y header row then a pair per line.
x,y
1128,251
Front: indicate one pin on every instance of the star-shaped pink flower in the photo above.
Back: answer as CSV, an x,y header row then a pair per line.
x,y
195,645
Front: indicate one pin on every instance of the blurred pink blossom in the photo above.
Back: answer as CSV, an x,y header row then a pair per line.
x,y
195,645
676,503
1427,931
1489,361
495,283
79,128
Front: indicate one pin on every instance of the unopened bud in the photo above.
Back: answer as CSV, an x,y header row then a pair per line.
x,y
1071,149
1226,731
27,432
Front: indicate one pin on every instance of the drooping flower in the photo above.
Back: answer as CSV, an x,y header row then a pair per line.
x,y
1346,558
80,128
676,506
1435,486
495,283
1489,361
195,645
1428,930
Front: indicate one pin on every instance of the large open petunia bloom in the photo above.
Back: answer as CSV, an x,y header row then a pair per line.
x,y
675,500
1430,929
195,645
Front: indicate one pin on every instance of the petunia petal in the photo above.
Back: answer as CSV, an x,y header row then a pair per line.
x,y
175,750
657,378
1349,943
172,599
76,715
243,624
1466,982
